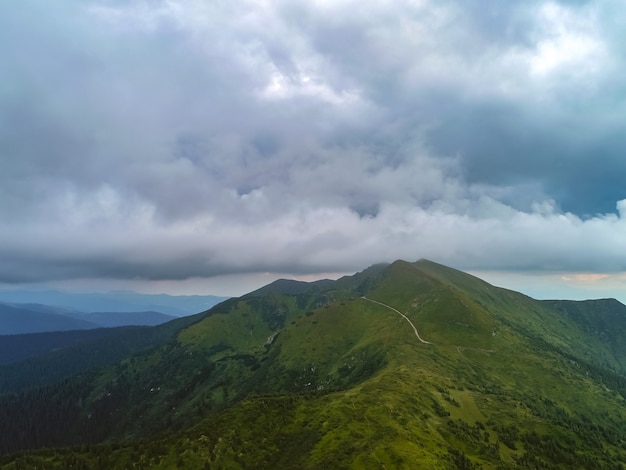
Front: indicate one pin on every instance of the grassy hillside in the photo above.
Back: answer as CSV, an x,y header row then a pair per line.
x,y
603,320
333,375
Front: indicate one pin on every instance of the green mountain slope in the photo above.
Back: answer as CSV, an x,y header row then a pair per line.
x,y
603,320
406,365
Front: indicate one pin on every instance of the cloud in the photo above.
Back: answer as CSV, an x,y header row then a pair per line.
x,y
171,140
585,277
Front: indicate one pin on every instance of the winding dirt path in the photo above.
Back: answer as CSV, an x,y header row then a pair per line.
x,y
458,348
402,315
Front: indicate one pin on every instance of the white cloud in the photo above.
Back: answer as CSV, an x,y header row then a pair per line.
x,y
621,208
172,140
570,43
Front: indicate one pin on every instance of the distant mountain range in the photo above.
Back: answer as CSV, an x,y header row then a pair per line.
x,y
18,319
117,301
403,365
23,312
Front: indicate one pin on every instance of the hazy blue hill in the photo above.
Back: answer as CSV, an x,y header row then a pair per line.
x,y
405,365
120,301
36,318
114,319
41,308
15,320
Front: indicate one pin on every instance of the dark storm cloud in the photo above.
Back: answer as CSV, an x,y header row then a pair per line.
x,y
168,140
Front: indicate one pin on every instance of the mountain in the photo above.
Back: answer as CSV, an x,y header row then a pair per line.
x,y
404,365
15,319
119,301
38,318
114,319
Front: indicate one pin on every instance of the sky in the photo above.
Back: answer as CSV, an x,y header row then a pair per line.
x,y
213,146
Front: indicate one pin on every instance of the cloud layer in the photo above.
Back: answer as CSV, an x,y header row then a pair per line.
x,y
165,140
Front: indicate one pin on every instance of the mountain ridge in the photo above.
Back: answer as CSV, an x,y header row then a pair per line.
x,y
335,376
